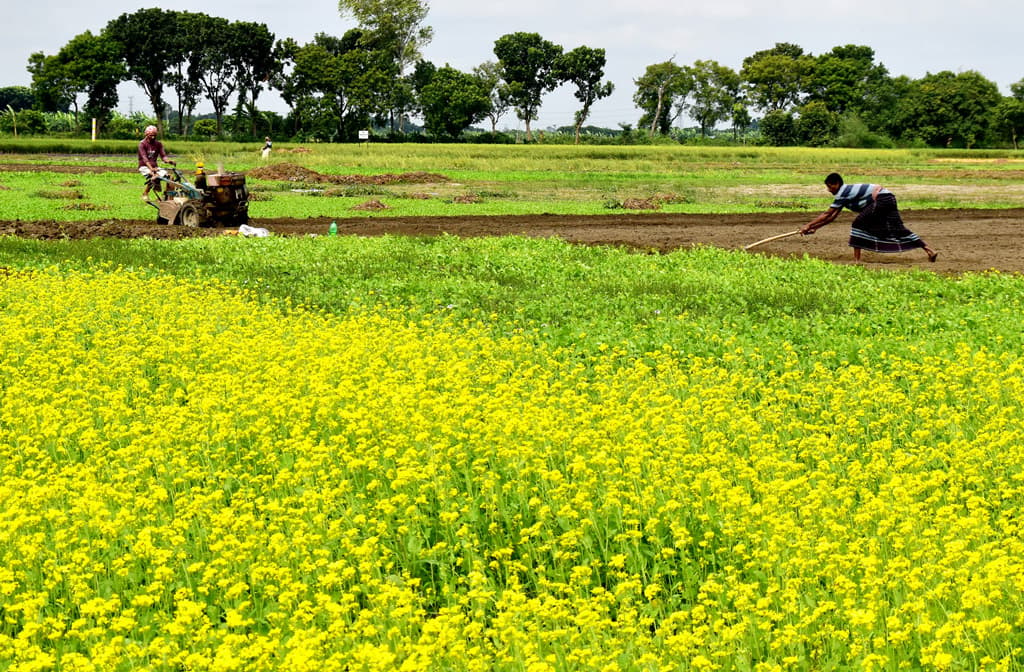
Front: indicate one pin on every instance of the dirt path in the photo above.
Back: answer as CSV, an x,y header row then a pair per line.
x,y
967,240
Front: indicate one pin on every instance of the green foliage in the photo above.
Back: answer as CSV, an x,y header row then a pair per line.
x,y
16,97
24,122
816,126
489,74
30,146
218,43
584,68
396,29
777,76
854,133
452,101
548,178
335,85
580,297
195,55
205,127
714,94
256,61
121,127
148,42
529,66
947,109
1008,119
659,91
848,81
90,64
779,128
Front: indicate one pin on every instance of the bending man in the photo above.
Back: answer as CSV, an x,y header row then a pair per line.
x,y
878,226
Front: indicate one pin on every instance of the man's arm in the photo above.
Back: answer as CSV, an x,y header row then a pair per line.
x,y
821,220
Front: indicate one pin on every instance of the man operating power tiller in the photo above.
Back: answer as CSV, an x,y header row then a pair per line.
x,y
878,226
151,149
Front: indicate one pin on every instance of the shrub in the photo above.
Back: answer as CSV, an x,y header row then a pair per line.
x,y
205,127
853,132
816,125
25,122
778,128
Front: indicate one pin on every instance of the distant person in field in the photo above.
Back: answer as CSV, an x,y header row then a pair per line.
x,y
878,226
150,150
267,146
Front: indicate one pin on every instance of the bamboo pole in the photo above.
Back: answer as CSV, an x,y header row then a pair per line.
x,y
768,240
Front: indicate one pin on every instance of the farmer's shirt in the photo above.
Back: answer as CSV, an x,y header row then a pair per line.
x,y
854,197
149,150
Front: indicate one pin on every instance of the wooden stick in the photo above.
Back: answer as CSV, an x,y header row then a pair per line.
x,y
768,240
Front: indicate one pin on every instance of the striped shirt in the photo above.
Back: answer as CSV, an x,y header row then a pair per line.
x,y
854,196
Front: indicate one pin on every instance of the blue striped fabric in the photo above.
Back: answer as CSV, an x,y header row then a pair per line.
x,y
854,196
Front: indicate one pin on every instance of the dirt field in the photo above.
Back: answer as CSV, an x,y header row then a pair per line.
x,y
966,240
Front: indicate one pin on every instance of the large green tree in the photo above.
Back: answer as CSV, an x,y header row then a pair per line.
x,y
776,77
187,88
214,61
16,98
452,101
94,61
257,60
489,73
1008,119
947,109
281,80
714,92
661,90
89,65
335,83
583,67
848,81
1008,116
148,45
529,66
396,26
53,86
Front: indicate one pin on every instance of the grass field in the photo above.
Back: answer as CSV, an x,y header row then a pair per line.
x,y
343,453
510,179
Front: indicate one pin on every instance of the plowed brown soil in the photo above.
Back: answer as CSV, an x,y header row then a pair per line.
x,y
967,240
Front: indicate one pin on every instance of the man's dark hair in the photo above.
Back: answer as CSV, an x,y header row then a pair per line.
x,y
834,178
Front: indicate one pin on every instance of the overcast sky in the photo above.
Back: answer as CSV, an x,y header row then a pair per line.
x,y
909,37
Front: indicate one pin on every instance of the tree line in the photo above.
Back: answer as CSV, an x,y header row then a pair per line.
x,y
374,76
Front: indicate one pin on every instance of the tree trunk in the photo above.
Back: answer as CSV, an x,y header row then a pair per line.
x,y
657,110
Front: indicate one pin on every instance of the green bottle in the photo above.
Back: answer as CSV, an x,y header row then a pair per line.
x,y
333,230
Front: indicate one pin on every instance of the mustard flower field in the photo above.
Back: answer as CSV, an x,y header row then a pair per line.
x,y
194,478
